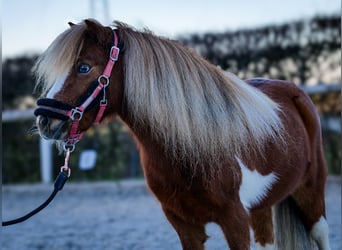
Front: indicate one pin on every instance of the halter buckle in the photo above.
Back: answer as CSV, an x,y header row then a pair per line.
x,y
114,53
103,102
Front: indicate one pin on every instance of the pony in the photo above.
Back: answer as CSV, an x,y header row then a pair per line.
x,y
213,148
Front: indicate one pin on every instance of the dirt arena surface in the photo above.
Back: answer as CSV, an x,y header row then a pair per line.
x,y
111,215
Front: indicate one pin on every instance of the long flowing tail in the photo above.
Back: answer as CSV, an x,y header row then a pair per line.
x,y
290,232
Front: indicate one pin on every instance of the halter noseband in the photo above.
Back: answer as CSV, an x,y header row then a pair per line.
x,y
64,111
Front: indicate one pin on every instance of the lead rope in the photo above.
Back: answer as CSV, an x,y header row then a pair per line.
x,y
75,115
62,177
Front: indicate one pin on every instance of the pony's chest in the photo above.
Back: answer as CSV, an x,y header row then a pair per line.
x,y
187,200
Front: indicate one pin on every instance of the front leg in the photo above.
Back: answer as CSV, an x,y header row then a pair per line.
x,y
234,222
192,236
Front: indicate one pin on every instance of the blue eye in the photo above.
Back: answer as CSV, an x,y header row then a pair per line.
x,y
83,68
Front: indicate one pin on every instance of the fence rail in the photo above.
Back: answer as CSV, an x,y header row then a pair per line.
x,y
321,88
17,115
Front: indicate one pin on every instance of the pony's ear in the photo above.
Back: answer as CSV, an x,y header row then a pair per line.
x,y
71,24
96,31
93,26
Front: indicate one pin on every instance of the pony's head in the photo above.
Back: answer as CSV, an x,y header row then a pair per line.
x,y
77,76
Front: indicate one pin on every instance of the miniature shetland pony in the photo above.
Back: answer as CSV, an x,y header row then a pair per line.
x,y
214,148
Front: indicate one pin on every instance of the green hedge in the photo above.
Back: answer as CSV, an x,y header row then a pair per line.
x,y
116,154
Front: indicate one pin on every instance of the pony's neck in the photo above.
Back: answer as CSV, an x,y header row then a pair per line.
x,y
192,109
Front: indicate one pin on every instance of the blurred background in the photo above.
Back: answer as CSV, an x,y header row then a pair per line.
x,y
294,40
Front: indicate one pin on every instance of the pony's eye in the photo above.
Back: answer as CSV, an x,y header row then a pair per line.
x,y
83,68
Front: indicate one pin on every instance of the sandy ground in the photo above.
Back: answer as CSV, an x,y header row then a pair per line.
x,y
120,216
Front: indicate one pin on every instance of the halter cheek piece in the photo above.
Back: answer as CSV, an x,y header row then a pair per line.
x,y
64,111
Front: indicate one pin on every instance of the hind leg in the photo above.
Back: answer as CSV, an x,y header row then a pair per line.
x,y
192,236
311,203
320,233
261,221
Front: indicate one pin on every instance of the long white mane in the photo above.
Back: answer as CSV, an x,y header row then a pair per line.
x,y
196,109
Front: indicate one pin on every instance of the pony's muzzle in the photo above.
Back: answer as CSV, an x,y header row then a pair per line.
x,y
43,121
52,128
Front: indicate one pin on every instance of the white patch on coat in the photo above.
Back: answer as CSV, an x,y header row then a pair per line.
x,y
57,86
320,233
266,247
254,186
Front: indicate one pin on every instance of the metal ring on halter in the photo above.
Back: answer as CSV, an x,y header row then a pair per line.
x,y
106,78
75,112
68,147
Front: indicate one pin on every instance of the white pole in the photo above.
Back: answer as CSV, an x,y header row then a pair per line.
x,y
106,12
92,8
45,160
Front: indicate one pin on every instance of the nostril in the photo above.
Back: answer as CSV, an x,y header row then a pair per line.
x,y
44,121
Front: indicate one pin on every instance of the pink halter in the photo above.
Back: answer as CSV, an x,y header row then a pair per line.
x,y
103,81
76,113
